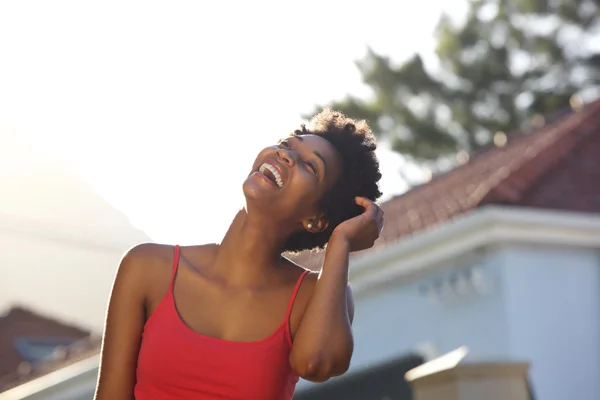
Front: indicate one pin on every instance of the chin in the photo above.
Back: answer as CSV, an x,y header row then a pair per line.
x,y
256,194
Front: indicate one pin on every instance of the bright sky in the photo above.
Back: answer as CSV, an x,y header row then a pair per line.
x,y
162,106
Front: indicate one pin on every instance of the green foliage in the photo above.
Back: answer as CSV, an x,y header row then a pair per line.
x,y
508,61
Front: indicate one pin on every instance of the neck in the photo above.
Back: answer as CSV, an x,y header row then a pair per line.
x,y
250,250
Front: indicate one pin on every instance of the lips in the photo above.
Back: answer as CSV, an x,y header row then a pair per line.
x,y
272,170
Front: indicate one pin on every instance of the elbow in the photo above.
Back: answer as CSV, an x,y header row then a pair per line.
x,y
320,368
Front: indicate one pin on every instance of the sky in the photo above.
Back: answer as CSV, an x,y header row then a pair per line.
x,y
162,106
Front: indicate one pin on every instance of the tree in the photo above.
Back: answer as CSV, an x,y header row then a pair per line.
x,y
508,64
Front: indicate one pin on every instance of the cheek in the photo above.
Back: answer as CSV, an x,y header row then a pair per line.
x,y
305,181
307,191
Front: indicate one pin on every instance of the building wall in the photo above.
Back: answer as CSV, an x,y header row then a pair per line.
x,y
396,320
553,303
542,306
402,318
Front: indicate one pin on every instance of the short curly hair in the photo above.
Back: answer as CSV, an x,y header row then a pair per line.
x,y
360,175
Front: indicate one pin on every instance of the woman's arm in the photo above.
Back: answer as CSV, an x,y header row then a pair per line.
x,y
123,331
323,343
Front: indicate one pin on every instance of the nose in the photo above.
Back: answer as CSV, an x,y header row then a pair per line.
x,y
287,157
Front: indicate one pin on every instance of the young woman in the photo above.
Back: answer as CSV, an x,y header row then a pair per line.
x,y
237,320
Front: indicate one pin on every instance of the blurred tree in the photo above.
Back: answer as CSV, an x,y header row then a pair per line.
x,y
509,63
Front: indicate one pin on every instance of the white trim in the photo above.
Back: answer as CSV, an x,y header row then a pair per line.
x,y
441,363
60,377
491,225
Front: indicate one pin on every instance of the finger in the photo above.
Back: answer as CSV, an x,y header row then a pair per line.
x,y
363,202
369,206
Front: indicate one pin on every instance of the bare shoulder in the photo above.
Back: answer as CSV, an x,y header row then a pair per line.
x,y
143,265
147,253
127,313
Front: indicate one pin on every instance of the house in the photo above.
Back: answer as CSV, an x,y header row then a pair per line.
x,y
61,241
500,255
30,341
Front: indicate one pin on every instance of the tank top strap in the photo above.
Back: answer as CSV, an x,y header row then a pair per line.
x,y
176,253
294,294
291,305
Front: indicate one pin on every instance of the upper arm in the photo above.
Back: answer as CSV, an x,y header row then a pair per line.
x,y
334,355
123,329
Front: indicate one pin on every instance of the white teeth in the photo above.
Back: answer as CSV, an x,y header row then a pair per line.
x,y
273,171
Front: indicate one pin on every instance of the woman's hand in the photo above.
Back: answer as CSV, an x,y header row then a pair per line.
x,y
361,231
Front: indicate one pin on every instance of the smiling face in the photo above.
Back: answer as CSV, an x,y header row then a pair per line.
x,y
289,179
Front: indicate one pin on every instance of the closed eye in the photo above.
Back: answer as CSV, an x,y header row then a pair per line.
x,y
313,167
284,143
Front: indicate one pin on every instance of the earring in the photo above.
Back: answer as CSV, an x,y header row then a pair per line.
x,y
309,225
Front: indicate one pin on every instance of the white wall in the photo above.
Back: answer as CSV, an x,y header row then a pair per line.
x,y
553,304
401,318
393,321
544,308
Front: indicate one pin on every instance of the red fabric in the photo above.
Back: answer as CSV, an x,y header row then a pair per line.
x,y
177,363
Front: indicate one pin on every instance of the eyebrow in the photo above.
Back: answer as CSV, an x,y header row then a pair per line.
x,y
324,163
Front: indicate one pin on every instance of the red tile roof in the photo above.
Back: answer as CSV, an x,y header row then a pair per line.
x,y
22,323
556,167
551,168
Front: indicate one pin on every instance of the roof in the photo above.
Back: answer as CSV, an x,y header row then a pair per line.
x,y
383,381
20,331
556,167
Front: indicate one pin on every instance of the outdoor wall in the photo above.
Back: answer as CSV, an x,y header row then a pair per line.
x,y
553,304
403,317
542,306
399,319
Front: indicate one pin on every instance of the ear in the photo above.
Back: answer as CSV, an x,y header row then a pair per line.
x,y
315,225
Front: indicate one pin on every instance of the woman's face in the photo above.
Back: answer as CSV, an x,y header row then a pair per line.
x,y
289,179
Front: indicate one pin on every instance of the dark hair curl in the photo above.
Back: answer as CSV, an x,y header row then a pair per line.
x,y
360,175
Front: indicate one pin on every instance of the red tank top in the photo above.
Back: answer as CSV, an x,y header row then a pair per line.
x,y
176,362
